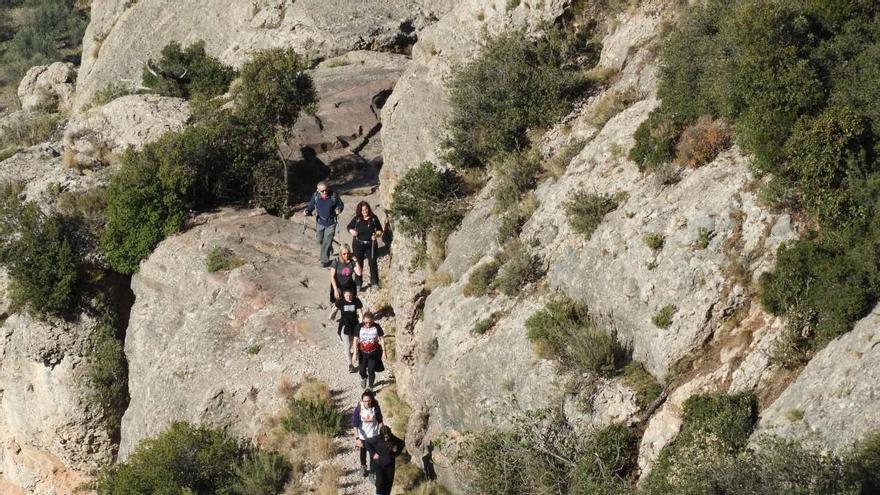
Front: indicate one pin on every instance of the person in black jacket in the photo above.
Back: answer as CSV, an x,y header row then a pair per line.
x,y
327,206
383,449
365,230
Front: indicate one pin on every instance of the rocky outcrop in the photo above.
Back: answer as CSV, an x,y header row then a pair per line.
x,y
42,172
122,35
94,137
51,435
48,87
835,401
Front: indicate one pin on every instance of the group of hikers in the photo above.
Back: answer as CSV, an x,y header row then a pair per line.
x,y
362,338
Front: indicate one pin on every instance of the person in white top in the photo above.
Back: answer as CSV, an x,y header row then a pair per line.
x,y
366,421
369,348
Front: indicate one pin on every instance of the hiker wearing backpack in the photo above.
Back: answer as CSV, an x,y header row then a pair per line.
x,y
327,206
369,347
344,274
365,230
366,421
351,310
382,450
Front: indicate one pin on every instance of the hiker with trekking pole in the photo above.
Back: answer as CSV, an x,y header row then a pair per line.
x,y
327,206
365,230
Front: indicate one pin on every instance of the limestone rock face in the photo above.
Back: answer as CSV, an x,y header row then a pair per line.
x,y
123,35
132,120
190,331
835,401
48,87
51,437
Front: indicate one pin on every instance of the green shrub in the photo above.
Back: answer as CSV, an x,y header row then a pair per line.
x,y
274,88
612,103
516,173
542,453
480,280
427,199
312,416
702,237
187,72
515,84
40,253
585,211
485,324
260,473
110,92
655,140
222,259
107,371
654,240
644,384
521,269
564,330
189,459
862,465
663,318
729,418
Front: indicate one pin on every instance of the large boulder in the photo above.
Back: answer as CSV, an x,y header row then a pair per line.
x,y
122,35
48,87
51,436
835,401
94,137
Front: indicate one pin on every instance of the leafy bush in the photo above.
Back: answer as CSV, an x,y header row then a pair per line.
x,y
107,370
542,453
192,459
41,256
187,72
222,259
516,173
309,416
480,280
663,318
32,129
516,83
642,382
486,324
513,219
655,141
564,330
427,199
612,103
585,211
862,465
274,88
261,473
701,142
519,270
729,418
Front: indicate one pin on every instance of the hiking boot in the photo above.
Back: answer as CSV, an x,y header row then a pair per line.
x,y
366,473
363,383
352,368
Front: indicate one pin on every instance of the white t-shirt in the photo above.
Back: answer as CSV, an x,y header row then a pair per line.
x,y
369,426
370,334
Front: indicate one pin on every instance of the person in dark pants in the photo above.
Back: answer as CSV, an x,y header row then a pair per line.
x,y
365,230
383,449
369,346
366,421
350,309
327,206
344,274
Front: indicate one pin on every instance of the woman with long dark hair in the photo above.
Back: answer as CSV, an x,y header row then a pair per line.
x,y
366,421
365,230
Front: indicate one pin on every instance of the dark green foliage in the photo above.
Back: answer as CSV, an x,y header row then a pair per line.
x,y
654,241
47,27
486,324
516,173
194,169
191,459
564,330
107,371
644,384
663,318
270,191
521,269
655,141
480,280
585,211
187,72
274,88
863,465
729,418
40,253
542,453
427,199
309,416
261,473
515,84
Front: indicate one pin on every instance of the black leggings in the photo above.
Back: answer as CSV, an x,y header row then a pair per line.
x,y
362,250
367,366
384,478
363,454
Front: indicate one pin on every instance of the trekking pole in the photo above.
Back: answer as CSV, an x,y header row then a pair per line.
x,y
302,236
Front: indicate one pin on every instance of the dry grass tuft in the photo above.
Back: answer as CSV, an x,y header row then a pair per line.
x,y
318,447
700,143
285,388
329,480
312,389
